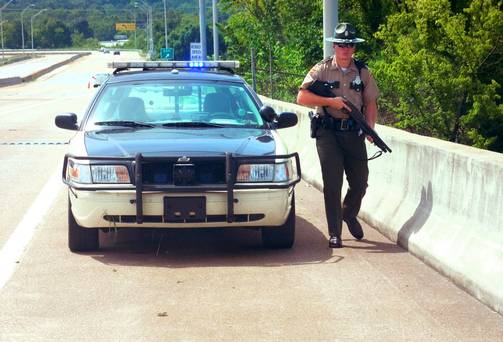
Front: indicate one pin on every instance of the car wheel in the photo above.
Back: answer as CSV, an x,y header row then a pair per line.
x,y
282,236
79,238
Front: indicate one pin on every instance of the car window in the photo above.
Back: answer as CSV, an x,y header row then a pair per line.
x,y
189,101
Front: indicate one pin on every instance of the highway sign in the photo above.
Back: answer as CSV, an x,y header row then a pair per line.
x,y
196,52
125,26
167,53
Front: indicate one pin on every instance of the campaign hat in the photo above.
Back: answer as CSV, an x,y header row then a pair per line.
x,y
345,33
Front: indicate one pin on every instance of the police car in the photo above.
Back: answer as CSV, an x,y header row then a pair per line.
x,y
174,144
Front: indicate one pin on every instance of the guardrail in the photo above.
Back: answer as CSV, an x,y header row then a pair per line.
x,y
441,201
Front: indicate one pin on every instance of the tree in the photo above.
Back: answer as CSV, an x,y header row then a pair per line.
x,y
434,70
281,32
83,28
53,33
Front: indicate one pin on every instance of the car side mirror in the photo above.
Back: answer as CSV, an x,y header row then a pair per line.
x,y
67,121
287,119
268,114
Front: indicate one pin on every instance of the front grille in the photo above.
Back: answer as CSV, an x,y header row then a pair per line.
x,y
159,218
197,173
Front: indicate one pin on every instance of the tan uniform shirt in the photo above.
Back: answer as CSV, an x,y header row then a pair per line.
x,y
328,70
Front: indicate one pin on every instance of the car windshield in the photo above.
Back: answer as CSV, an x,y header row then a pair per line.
x,y
168,103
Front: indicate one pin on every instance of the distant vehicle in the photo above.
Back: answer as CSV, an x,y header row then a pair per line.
x,y
97,79
116,52
179,145
106,50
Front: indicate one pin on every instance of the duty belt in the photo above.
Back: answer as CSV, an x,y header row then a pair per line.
x,y
338,124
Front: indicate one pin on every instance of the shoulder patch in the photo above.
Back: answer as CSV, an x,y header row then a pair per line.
x,y
328,59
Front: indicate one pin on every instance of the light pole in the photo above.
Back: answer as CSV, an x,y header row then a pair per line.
x,y
1,24
134,19
150,39
330,21
215,31
31,20
137,5
165,27
202,29
22,24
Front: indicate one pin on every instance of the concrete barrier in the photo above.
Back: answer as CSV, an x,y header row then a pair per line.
x,y
4,82
50,68
441,201
16,80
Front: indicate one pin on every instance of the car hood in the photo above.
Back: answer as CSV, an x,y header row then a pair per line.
x,y
126,142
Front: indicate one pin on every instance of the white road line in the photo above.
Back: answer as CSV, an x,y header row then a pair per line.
x,y
22,235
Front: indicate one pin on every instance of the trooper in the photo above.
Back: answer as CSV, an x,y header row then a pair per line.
x,y
339,140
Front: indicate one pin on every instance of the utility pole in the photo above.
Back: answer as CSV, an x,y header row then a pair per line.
x,y
215,30
1,25
165,27
148,27
202,29
31,21
22,24
330,21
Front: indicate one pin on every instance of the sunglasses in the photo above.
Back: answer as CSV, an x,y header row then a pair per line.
x,y
346,45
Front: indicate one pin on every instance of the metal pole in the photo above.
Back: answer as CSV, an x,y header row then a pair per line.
x,y
1,25
133,14
31,21
330,21
253,69
151,40
146,25
271,89
165,27
215,31
22,24
202,29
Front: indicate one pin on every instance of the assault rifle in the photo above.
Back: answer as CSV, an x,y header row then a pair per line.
x,y
324,89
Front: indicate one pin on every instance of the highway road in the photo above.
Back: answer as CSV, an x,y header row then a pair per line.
x,y
195,285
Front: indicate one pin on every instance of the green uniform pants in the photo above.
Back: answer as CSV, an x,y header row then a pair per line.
x,y
339,152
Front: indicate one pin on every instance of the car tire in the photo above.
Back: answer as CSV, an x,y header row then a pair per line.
x,y
282,236
80,239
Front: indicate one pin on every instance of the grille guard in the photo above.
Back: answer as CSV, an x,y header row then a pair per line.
x,y
136,164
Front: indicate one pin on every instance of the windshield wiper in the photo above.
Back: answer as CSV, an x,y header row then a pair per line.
x,y
124,123
191,124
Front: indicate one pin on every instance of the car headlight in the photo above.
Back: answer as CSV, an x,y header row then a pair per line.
x,y
280,172
104,174
78,173
110,174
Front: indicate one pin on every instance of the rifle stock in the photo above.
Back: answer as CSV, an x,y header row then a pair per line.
x,y
324,89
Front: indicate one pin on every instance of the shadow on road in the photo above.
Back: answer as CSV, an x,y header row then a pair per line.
x,y
374,246
211,248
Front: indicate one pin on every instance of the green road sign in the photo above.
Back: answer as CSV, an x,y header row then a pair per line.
x,y
167,53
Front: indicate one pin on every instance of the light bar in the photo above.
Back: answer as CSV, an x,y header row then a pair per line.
x,y
175,64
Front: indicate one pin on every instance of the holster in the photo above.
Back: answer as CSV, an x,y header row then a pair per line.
x,y
314,124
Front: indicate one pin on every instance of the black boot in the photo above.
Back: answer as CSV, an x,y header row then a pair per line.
x,y
355,228
335,242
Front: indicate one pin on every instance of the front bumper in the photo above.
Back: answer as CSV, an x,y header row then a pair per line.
x,y
252,208
137,205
